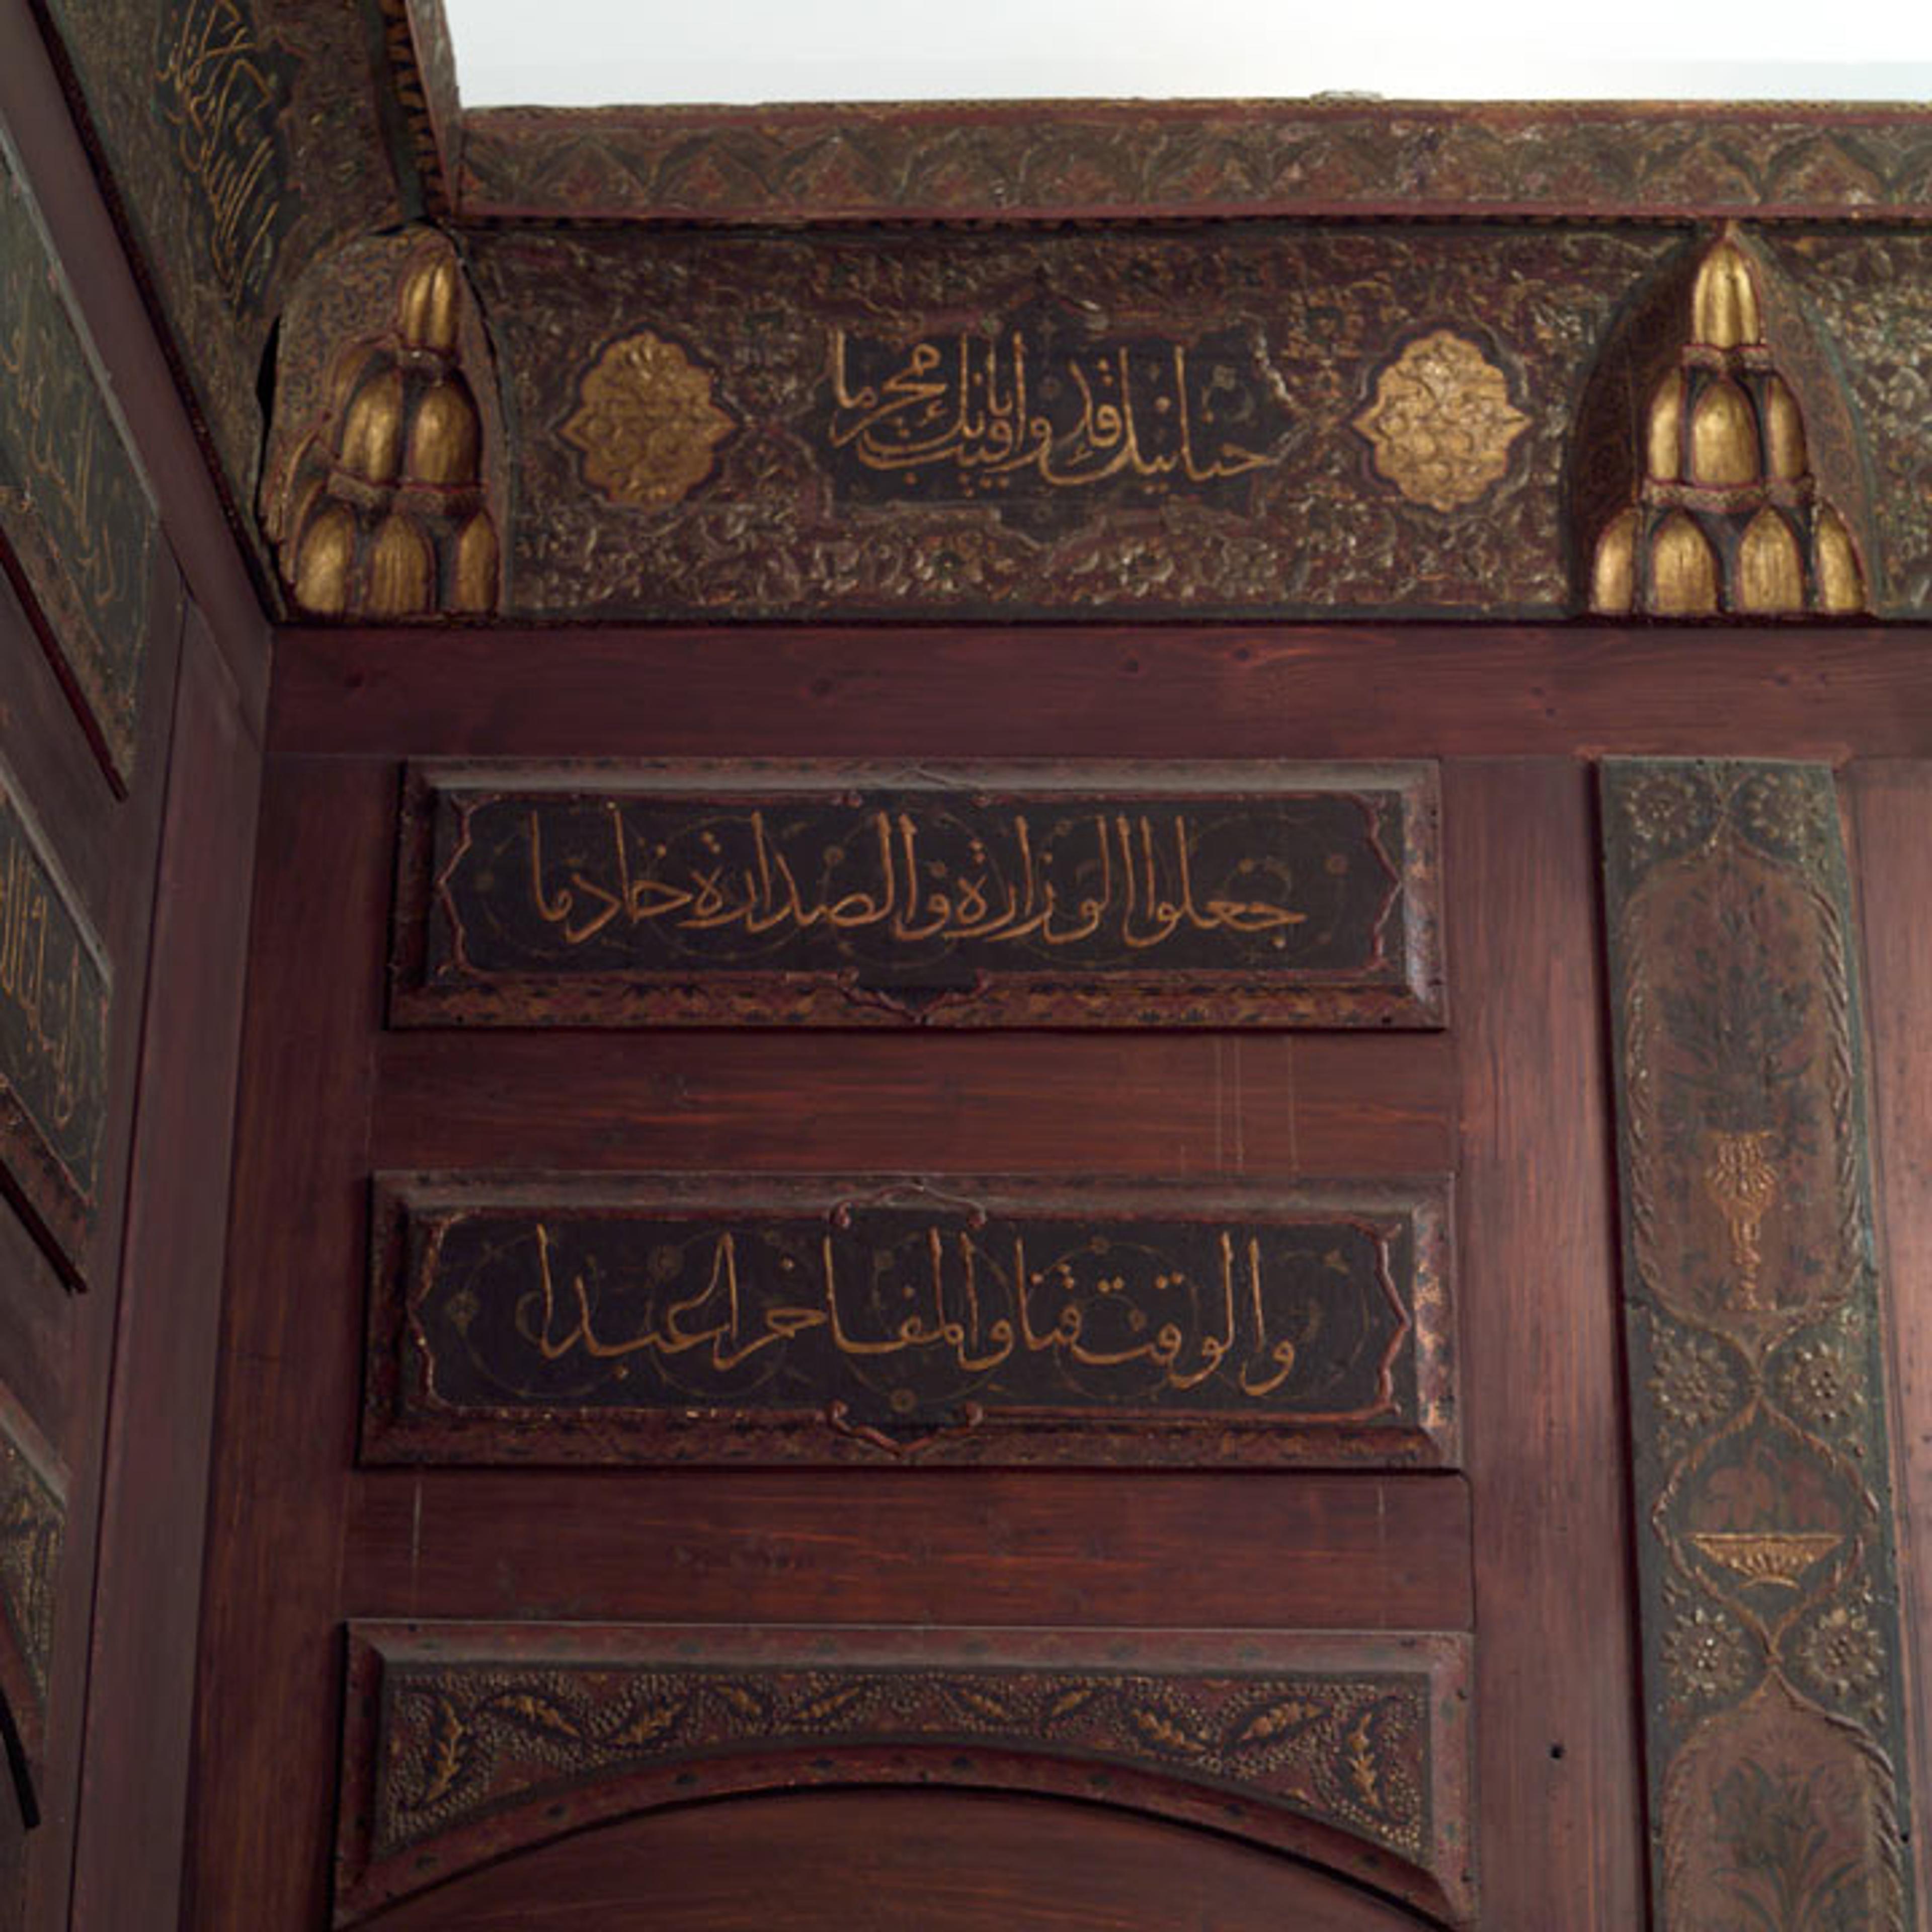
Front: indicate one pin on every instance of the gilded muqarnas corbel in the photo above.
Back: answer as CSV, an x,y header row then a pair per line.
x,y
1715,473
379,495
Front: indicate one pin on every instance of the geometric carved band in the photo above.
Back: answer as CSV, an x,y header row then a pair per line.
x,y
718,1318
1766,1557
468,1741
836,893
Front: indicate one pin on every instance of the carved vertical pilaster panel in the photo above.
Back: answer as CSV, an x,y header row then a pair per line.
x,y
1767,1572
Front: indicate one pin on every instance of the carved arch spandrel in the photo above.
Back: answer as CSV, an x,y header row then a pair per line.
x,y
1714,468
382,489
466,1742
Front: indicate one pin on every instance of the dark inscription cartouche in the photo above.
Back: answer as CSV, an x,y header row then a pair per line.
x,y
71,500
53,1013
913,890
903,1316
1038,416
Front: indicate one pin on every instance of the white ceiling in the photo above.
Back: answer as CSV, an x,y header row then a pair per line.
x,y
587,52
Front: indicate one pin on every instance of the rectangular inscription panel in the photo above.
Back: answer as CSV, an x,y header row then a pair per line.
x,y
76,510
825,894
33,1528
54,992
716,1319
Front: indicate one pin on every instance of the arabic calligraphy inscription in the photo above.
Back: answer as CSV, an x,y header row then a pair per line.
x,y
75,509
681,1319
1019,415
221,90
53,1042
33,1519
1234,895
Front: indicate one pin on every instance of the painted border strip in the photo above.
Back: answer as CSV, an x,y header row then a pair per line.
x,y
1767,1576
1065,160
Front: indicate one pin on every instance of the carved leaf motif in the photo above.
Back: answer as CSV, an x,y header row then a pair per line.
x,y
647,1725
1363,1773
983,1706
536,1712
1068,1702
449,1751
829,1704
1163,1732
1273,1722
740,1700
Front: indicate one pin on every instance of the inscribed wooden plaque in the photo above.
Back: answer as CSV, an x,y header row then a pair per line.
x,y
75,509
54,994
717,1319
33,1529
1768,1573
467,1742
827,894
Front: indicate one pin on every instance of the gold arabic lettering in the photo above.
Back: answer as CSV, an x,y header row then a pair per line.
x,y
61,1018
957,404
711,1322
1146,888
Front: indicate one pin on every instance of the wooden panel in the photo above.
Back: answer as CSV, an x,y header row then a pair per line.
x,y
290,1331
147,1598
1556,1753
464,1741
1893,858
1761,1450
715,1318
947,1861
1307,1105
1218,691
1267,1551
755,893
